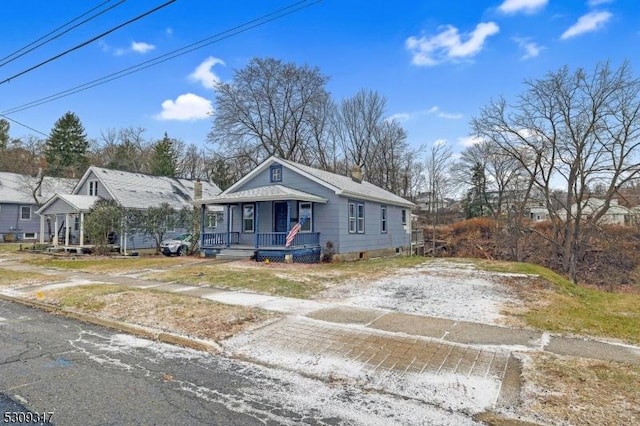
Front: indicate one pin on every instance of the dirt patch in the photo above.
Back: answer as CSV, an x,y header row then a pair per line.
x,y
568,390
182,314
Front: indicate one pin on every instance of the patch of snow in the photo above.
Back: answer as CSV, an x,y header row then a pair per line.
x,y
442,289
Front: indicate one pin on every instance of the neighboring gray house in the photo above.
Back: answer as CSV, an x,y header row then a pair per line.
x,y
357,217
20,198
134,191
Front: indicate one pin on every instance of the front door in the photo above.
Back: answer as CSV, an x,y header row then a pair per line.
x,y
280,217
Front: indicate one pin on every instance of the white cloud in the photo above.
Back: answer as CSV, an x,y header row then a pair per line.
x,y
168,32
592,21
141,47
526,6
531,49
594,3
448,115
203,73
468,141
448,44
406,116
187,107
400,117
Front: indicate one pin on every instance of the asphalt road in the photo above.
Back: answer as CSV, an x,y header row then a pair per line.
x,y
88,375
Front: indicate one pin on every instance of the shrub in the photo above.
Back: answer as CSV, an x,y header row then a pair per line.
x,y
328,252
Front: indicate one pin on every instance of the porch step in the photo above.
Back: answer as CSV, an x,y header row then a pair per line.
x,y
229,253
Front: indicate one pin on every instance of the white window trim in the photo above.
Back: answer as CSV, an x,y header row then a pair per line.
x,y
352,218
384,223
360,207
92,189
253,219
211,217
404,216
32,236
30,213
309,219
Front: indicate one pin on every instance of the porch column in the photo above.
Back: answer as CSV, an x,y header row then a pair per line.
x,y
55,232
81,229
288,219
42,229
66,229
255,219
228,225
203,218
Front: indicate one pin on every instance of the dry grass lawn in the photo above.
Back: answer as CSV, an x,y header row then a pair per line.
x,y
187,315
567,390
105,264
10,278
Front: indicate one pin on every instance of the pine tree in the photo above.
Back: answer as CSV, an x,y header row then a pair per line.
x,y
4,134
66,148
475,201
164,159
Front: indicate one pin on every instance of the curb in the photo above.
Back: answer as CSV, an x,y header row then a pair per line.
x,y
137,330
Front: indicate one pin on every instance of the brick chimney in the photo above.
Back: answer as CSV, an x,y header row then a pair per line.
x,y
356,173
197,190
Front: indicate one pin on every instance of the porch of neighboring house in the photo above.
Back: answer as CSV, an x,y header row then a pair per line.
x,y
256,224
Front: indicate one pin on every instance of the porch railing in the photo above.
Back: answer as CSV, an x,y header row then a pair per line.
x,y
279,239
213,239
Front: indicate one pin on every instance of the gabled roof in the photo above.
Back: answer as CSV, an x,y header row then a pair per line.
x,y
140,191
339,184
265,193
18,189
80,203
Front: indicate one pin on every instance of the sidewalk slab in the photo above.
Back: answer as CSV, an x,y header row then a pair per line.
x,y
595,350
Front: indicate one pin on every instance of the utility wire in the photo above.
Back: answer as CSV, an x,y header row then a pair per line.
x,y
137,18
262,20
26,49
24,125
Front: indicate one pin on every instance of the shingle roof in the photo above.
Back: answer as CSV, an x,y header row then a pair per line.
x,y
18,189
79,202
140,191
348,186
265,193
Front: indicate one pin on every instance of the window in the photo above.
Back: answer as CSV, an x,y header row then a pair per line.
x,y
383,219
248,211
30,235
352,218
356,218
25,212
305,211
404,217
76,223
360,218
211,220
93,187
276,173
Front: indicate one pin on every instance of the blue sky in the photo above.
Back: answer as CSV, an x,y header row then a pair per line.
x,y
437,62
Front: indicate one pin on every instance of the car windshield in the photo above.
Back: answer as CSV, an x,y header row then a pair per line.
x,y
183,237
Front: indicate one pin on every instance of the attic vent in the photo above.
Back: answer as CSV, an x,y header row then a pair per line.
x,y
356,173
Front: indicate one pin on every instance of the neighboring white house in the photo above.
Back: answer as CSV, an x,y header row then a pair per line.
x,y
134,191
615,215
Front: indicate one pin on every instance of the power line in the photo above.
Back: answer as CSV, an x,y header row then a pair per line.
x,y
89,41
13,56
23,125
262,20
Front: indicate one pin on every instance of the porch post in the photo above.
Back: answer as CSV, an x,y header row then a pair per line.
x,y
255,225
203,209
228,225
66,229
55,232
288,215
42,229
81,229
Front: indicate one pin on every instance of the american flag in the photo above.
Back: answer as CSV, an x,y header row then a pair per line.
x,y
294,231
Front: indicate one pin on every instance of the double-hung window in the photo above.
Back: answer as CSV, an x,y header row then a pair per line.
x,y
356,217
248,218
25,212
305,211
93,188
383,219
212,220
404,217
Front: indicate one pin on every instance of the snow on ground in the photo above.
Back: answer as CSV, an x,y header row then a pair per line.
x,y
438,288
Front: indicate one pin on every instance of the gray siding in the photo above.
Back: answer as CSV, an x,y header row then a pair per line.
x,y
84,188
10,218
325,216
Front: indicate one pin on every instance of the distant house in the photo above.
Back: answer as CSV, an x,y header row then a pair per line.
x,y
20,198
615,214
134,191
358,218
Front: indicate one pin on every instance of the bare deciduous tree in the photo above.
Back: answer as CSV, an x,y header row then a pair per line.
x,y
573,129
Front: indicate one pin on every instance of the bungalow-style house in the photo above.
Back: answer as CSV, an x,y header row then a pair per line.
x,y
355,217
615,214
135,191
20,198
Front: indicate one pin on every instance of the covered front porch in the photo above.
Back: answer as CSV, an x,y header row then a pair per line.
x,y
260,220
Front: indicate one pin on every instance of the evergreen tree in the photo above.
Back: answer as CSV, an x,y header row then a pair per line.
x,y
164,158
66,148
4,134
475,204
